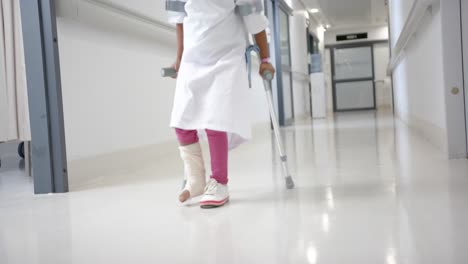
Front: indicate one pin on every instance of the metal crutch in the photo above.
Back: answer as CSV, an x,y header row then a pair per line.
x,y
267,78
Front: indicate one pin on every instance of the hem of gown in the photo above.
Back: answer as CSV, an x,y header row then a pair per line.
x,y
233,142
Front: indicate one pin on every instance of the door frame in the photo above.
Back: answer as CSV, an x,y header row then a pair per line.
x,y
309,53
455,111
464,39
42,62
277,7
334,82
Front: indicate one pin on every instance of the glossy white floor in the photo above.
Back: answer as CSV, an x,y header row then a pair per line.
x,y
368,191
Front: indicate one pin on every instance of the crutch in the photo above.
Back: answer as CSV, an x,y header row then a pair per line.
x,y
267,78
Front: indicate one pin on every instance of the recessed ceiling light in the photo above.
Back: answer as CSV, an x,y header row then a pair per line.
x,y
314,10
327,26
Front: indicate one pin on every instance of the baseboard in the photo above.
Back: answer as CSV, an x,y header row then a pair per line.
x,y
302,117
458,156
260,129
384,108
433,134
91,171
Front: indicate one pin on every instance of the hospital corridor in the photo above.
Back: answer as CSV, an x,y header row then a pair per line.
x,y
245,131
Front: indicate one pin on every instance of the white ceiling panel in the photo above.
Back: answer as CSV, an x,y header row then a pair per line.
x,y
345,13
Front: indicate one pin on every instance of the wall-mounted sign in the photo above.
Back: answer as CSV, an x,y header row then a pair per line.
x,y
352,36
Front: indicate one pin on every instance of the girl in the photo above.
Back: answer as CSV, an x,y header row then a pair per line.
x,y
212,83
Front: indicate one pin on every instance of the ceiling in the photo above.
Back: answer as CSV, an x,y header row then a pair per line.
x,y
349,13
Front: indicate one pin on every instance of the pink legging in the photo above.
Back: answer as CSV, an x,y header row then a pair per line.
x,y
218,142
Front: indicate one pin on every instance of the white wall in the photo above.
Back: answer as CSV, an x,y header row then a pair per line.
x,y
418,79
383,84
300,61
150,8
319,32
300,57
114,97
328,80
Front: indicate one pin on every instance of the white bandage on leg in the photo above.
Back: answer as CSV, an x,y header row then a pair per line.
x,y
194,168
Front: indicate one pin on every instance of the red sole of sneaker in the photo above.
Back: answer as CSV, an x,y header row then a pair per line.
x,y
213,204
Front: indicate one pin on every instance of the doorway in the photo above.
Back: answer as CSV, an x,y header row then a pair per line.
x,y
312,50
278,13
286,85
353,77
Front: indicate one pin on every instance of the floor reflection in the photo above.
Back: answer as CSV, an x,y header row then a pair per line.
x,y
368,191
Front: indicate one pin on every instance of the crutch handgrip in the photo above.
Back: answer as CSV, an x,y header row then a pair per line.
x,y
267,75
169,72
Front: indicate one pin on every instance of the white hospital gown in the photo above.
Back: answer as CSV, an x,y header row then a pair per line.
x,y
212,84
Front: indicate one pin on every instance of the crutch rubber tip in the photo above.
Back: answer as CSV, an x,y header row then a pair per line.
x,y
289,183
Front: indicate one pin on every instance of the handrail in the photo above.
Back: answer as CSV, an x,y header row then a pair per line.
x,y
132,14
416,14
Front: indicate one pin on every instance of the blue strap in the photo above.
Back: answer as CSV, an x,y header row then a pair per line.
x,y
248,59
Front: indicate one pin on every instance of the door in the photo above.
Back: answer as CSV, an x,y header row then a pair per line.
x,y
464,13
309,53
313,49
353,78
286,68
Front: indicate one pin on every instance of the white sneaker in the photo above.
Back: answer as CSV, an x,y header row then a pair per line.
x,y
194,168
216,195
